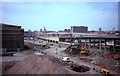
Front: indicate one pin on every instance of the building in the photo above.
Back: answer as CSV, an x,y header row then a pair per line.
x,y
12,38
30,33
45,30
40,30
35,33
26,33
79,29
113,29
66,30
100,30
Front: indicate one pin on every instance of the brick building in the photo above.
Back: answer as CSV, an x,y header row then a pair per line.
x,y
79,29
12,38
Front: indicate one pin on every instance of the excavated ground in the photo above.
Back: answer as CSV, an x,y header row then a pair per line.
x,y
35,64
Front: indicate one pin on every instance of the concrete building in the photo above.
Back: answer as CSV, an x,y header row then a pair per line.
x,y
79,29
26,33
100,30
12,38
40,30
45,30
30,33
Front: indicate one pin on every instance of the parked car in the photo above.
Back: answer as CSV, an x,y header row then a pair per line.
x,y
66,59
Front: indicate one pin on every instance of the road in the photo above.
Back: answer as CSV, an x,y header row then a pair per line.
x,y
16,57
61,53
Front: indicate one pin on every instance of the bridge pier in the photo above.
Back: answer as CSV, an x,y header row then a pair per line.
x,y
105,44
89,43
100,44
85,42
114,45
94,43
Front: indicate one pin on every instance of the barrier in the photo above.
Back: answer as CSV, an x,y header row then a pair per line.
x,y
83,58
108,68
105,66
106,56
112,59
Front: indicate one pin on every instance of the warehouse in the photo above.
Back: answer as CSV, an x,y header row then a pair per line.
x,y
12,38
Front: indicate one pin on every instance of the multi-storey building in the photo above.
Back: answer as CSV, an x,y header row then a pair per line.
x,y
79,29
12,37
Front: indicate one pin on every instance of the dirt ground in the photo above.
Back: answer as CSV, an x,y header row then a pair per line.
x,y
7,65
97,56
35,64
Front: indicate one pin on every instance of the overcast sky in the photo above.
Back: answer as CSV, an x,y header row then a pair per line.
x,y
56,16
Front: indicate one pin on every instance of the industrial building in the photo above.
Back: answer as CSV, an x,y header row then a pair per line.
x,y
12,38
79,29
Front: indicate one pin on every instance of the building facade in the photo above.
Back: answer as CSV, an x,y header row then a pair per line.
x,y
12,38
79,29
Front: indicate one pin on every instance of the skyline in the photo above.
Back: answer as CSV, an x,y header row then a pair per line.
x,y
55,16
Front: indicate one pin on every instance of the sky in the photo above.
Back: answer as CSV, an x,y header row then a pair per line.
x,y
55,16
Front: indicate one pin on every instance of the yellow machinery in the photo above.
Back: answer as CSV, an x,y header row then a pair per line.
x,y
105,72
45,44
84,50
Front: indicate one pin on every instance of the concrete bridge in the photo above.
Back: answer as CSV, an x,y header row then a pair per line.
x,y
87,40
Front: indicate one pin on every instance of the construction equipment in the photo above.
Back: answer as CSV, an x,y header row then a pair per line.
x,y
105,72
84,50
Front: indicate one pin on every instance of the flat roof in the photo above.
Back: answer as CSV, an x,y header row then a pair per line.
x,y
79,33
94,37
10,25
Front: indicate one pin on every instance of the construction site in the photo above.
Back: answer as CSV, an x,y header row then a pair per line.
x,y
64,53
83,59
71,37
105,59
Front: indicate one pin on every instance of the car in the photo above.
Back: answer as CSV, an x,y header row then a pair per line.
x,y
66,59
